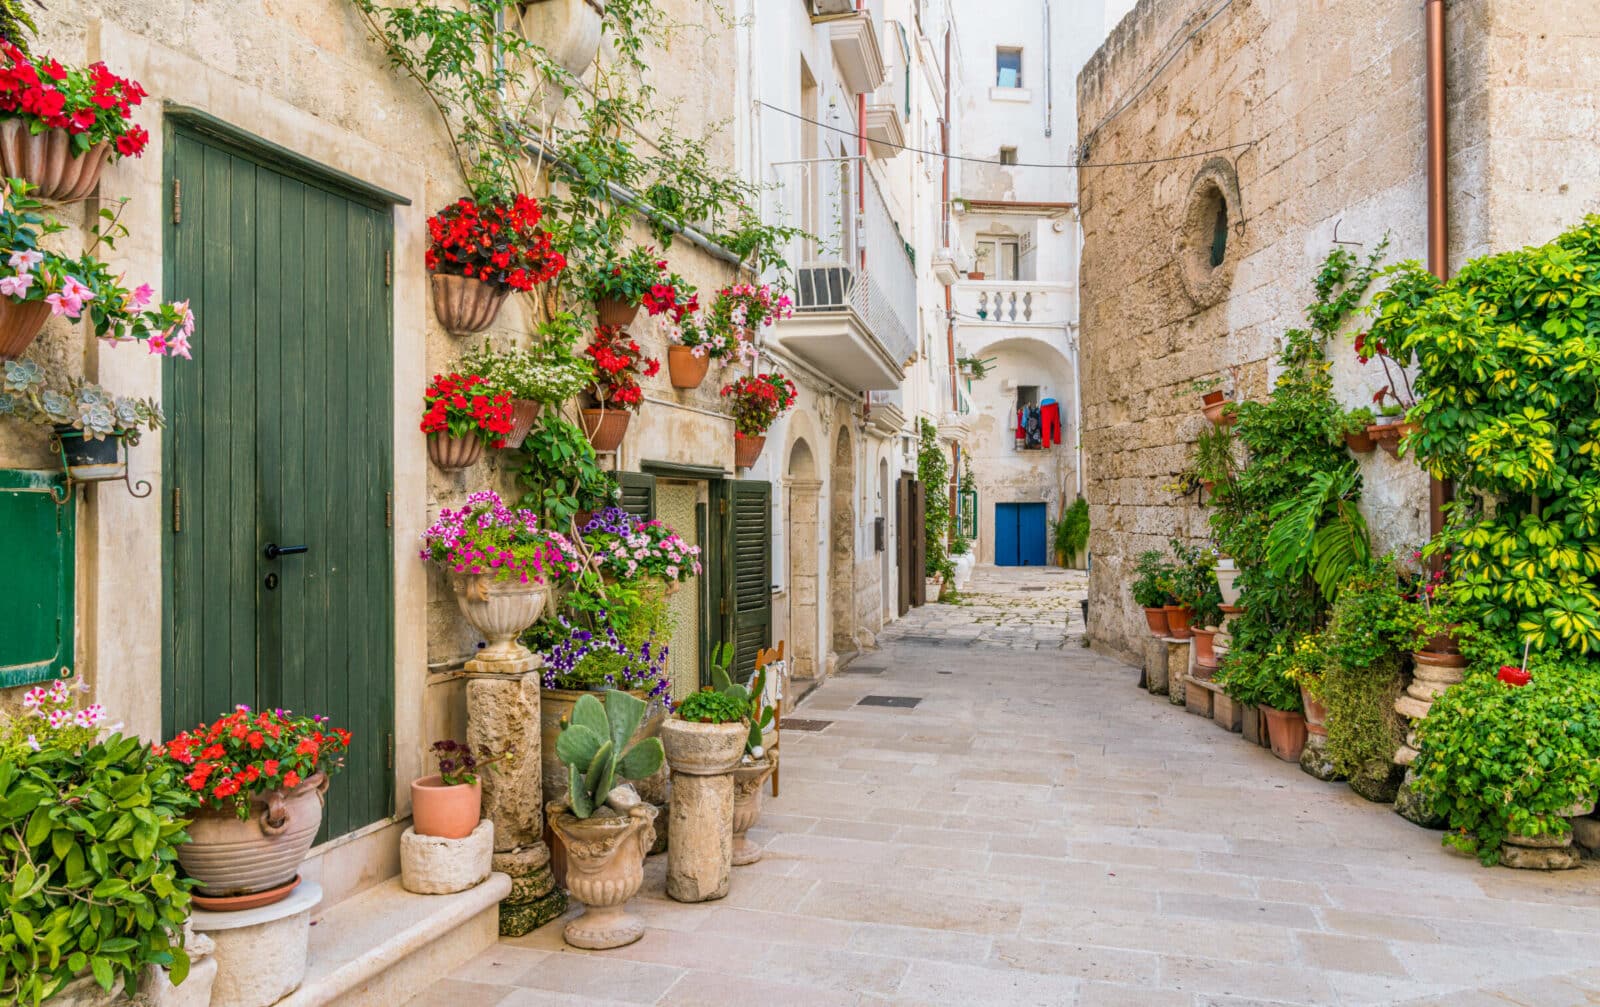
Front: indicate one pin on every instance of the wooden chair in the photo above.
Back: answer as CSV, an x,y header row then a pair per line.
x,y
777,685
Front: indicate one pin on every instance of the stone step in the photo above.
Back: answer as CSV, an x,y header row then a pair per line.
x,y
383,945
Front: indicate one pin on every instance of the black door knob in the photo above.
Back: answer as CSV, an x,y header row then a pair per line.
x,y
274,550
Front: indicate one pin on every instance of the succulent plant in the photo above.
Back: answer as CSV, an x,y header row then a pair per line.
x,y
750,698
594,748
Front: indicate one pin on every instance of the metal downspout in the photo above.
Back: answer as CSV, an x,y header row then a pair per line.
x,y
1439,492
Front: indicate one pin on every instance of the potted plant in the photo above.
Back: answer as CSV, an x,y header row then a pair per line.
x,y
60,125
1227,573
618,284
1194,585
1071,534
546,374
259,778
499,562
449,804
480,252
603,825
89,422
1282,706
704,741
1151,589
1356,424
625,548
1305,670
560,474
65,782
464,413
757,763
757,402
617,363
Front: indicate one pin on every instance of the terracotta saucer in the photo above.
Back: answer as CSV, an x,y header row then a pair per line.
x,y
236,903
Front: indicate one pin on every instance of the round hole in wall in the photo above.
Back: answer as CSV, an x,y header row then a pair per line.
x,y
1206,247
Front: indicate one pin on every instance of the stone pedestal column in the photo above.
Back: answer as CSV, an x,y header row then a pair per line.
x,y
702,757
502,713
260,953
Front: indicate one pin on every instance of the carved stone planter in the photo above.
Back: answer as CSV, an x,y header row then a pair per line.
x,y
231,858
454,453
45,160
748,779
605,866
702,758
499,610
465,305
436,865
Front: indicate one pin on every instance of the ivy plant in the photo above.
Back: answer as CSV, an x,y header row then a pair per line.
x,y
559,473
933,471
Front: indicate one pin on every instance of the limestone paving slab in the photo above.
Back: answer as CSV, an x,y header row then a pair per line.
x,y
1038,830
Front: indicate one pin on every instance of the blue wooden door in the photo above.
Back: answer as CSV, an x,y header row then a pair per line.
x,y
1006,536
1031,534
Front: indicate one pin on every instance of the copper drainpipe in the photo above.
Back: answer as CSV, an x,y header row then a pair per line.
x,y
949,302
1439,491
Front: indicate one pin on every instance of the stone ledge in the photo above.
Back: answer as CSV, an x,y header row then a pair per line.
x,y
381,946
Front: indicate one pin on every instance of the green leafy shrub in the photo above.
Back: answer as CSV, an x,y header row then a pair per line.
x,y
1496,758
1194,583
708,707
1071,533
933,471
1152,581
1371,627
1261,678
559,472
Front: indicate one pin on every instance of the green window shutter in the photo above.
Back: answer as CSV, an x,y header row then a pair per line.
x,y
638,494
749,577
36,580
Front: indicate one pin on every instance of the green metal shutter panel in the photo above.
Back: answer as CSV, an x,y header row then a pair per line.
x,y
638,494
36,579
750,570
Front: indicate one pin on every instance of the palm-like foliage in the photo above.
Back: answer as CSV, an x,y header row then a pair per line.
x,y
1320,532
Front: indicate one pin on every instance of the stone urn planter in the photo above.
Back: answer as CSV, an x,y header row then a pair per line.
x,y
1227,574
1316,713
748,780
447,811
1286,733
499,610
605,867
702,758
619,314
1156,619
747,450
605,428
454,453
231,859
46,161
685,369
465,305
555,706
523,414
1178,622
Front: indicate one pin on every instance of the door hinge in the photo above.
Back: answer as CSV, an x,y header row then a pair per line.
x,y
177,200
388,510
388,269
389,756
722,606
177,509
722,507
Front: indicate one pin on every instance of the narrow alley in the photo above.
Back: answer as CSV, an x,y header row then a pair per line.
x,y
983,814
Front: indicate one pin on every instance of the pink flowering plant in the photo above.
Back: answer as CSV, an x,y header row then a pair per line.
x,y
487,537
51,719
626,548
84,287
744,307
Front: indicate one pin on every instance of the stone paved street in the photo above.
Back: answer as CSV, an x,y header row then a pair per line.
x,y
1036,830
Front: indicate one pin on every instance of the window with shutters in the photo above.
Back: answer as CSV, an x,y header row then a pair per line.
x,y
749,570
638,494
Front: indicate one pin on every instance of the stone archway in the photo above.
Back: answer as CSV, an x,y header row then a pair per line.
x,y
804,491
842,548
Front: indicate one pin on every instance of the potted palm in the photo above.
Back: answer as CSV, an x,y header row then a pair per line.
x,y
449,804
259,778
604,826
757,401
547,374
616,364
500,563
60,125
618,284
464,414
480,252
1071,534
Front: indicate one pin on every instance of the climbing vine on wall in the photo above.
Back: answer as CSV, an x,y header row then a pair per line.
x,y
933,471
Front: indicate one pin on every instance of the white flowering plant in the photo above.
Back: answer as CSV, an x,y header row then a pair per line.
x,y
548,373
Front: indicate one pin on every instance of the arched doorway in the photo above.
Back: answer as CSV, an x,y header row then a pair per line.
x,y
804,488
841,551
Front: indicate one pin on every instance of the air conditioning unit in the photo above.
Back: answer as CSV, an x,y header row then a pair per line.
x,y
823,8
823,288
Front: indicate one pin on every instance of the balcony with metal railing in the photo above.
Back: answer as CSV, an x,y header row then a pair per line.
x,y
856,287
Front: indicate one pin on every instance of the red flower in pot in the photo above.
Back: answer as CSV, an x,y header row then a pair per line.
x,y
1510,674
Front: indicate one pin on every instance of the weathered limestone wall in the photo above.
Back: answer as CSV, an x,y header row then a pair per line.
x,y
1327,103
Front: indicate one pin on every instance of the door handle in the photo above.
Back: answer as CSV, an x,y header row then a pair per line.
x,y
274,550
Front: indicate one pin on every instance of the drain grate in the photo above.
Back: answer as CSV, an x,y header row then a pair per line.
x,y
797,724
1039,588
864,669
899,702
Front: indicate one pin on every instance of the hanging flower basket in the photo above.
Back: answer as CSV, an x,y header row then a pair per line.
x,y
1389,435
747,450
453,453
20,324
479,253
605,428
685,369
523,414
465,305
60,125
46,160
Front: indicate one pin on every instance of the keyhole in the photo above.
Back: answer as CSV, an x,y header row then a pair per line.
x,y
272,582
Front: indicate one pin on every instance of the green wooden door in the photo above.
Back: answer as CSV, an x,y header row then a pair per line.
x,y
37,524
280,434
748,570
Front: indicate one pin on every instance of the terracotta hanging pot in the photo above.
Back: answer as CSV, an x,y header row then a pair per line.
x,y
46,161
1389,435
523,414
1316,713
1205,654
1156,618
499,610
465,305
449,811
454,453
1219,413
684,368
229,857
605,867
612,311
605,428
20,324
746,450
1287,733
1178,622
1360,442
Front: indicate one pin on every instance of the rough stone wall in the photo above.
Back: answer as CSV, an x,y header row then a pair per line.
x,y
1328,100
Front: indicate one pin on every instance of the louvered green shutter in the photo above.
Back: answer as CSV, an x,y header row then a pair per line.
x,y
749,566
638,494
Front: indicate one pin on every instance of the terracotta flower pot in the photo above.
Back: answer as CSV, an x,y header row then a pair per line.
x,y
1178,622
747,450
1443,642
465,305
454,453
499,610
523,413
748,780
1157,620
555,705
445,810
614,312
1205,654
229,857
46,160
1287,732
1219,413
1316,713
685,369
1213,398
20,324
1389,435
703,749
605,867
605,428
1360,442
1428,659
